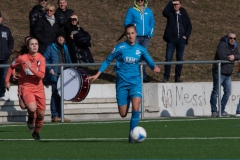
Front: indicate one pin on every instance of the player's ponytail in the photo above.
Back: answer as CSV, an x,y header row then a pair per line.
x,y
125,31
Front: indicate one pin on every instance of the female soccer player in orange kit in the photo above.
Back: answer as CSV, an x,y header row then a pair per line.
x,y
32,70
23,50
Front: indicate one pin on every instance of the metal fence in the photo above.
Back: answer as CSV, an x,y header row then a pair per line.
x,y
62,65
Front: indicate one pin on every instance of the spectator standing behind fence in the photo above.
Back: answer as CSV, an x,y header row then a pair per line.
x,y
177,33
227,50
47,28
63,14
78,42
128,82
6,47
37,12
142,17
238,107
56,53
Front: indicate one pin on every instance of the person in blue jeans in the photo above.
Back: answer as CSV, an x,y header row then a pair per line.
x,y
128,82
227,50
142,17
6,46
238,107
177,33
56,53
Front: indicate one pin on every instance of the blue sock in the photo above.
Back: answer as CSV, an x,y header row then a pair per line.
x,y
134,120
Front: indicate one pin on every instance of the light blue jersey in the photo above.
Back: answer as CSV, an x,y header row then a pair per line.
x,y
128,57
143,20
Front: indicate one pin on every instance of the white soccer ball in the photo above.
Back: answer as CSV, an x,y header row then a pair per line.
x,y
138,134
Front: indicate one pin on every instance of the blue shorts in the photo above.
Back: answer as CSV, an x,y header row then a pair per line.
x,y
125,92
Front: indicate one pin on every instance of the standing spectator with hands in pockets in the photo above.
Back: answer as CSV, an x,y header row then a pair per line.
x,y
177,33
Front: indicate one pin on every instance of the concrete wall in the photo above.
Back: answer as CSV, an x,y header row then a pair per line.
x,y
186,99
173,99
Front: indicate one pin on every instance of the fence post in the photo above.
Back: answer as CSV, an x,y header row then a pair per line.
x,y
219,90
142,104
62,95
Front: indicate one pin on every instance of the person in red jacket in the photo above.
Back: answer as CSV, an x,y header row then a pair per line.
x,y
32,69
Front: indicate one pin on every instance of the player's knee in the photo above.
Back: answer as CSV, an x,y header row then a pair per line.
x,y
123,115
23,107
40,116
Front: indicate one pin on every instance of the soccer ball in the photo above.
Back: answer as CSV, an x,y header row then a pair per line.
x,y
138,134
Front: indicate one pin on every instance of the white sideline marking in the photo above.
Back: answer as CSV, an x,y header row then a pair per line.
x,y
125,121
115,139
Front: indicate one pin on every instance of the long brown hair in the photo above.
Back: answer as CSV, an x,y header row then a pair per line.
x,y
125,31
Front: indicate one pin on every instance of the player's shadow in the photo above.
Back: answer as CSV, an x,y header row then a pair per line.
x,y
165,113
190,112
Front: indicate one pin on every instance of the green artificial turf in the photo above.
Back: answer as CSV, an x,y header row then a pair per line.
x,y
186,138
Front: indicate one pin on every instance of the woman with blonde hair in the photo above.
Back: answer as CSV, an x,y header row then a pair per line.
x,y
47,28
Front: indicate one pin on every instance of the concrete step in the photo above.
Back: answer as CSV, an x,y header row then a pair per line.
x,y
89,109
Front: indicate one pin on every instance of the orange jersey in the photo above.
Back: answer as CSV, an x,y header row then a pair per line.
x,y
19,79
30,78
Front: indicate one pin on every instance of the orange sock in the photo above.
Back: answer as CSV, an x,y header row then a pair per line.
x,y
38,124
34,118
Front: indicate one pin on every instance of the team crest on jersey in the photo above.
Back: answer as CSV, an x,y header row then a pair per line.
x,y
138,52
38,63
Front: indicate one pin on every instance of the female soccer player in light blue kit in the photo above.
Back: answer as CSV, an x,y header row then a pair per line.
x,y
128,82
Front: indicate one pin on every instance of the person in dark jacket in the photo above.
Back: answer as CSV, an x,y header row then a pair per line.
x,y
6,47
78,42
56,53
37,12
70,31
227,50
47,29
177,33
63,14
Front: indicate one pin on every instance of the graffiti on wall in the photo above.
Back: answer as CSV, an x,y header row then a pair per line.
x,y
180,97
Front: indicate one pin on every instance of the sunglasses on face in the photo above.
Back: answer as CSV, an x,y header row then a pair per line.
x,y
140,0
43,0
74,19
49,10
232,38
